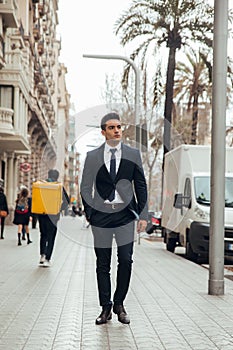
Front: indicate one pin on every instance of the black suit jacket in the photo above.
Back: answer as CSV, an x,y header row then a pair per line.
x,y
97,184
3,202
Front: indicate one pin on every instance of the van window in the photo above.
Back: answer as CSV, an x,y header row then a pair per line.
x,y
202,190
229,192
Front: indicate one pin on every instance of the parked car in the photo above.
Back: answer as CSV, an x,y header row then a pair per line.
x,y
154,222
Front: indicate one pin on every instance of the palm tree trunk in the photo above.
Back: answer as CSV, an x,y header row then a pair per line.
x,y
194,120
169,100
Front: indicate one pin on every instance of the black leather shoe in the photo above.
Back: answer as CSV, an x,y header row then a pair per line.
x,y
121,314
105,315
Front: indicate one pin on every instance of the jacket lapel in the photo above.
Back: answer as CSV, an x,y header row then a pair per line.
x,y
101,164
103,167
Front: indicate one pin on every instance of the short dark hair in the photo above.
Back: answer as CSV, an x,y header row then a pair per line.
x,y
107,117
53,174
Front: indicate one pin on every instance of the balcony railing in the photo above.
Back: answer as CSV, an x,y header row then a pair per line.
x,y
6,120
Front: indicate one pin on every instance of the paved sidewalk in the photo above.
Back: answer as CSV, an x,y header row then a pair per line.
x,y
55,308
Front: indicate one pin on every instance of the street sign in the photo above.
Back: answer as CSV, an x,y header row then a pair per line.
x,y
25,167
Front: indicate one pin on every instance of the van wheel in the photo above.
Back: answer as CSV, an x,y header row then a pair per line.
x,y
190,255
171,244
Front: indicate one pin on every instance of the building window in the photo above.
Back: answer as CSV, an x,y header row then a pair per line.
x,y
6,96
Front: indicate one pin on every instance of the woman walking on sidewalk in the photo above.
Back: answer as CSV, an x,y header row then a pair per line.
x,y
3,206
22,214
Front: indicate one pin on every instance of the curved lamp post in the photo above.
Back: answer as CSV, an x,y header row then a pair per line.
x,y
137,87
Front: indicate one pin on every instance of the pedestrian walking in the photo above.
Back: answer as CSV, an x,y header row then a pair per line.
x,y
34,220
80,211
4,208
85,223
22,214
114,194
73,211
23,233
48,225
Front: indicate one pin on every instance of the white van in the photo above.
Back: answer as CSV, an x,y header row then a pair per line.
x,y
186,200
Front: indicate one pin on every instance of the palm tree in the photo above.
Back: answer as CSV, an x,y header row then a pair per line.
x,y
150,23
193,83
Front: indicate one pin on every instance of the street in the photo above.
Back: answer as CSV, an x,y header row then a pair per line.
x,y
55,308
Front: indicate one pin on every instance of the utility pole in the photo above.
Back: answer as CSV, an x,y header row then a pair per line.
x,y
137,89
218,149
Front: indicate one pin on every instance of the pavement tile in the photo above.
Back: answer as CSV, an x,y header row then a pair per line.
x,y
56,308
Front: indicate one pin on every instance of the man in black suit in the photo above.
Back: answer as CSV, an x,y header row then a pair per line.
x,y
114,194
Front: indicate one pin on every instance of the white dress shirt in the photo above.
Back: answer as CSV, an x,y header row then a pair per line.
x,y
107,159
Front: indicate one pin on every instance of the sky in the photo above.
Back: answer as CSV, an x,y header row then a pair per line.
x,y
87,28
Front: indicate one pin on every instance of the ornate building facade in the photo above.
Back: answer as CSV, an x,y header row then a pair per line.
x,y
73,166
34,101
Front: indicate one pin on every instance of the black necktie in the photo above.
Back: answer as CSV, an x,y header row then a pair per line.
x,y
112,171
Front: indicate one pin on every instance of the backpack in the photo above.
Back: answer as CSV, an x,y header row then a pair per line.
x,y
46,197
22,205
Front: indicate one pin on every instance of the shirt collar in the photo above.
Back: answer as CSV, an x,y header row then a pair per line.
x,y
107,147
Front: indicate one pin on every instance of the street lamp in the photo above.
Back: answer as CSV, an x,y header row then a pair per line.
x,y
137,88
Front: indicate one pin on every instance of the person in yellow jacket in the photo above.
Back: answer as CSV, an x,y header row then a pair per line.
x,y
48,225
